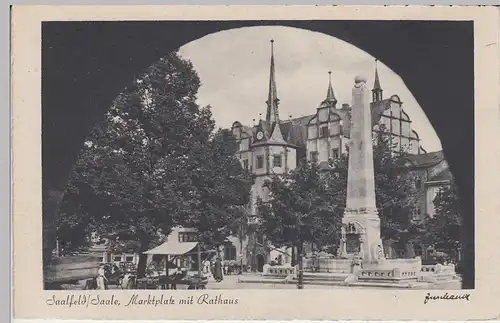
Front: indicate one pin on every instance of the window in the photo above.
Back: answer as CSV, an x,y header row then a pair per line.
x,y
260,162
117,258
335,153
245,163
277,161
187,237
185,262
324,132
129,258
313,156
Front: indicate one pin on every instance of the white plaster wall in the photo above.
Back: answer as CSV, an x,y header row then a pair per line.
x,y
323,154
335,142
312,131
395,127
312,145
323,114
292,158
335,128
244,144
406,129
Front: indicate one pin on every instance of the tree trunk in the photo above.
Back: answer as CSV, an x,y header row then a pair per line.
x,y
143,259
301,265
198,258
294,258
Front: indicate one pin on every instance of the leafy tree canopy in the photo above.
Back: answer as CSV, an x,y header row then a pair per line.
x,y
155,162
444,228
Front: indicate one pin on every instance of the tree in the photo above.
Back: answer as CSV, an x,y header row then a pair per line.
x,y
396,194
444,228
307,204
151,164
221,189
302,207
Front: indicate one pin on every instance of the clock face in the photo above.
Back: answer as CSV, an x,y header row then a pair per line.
x,y
260,135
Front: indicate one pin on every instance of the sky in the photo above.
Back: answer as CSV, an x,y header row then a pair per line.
x,y
233,66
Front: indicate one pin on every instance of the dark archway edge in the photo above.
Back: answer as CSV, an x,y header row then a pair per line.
x,y
85,64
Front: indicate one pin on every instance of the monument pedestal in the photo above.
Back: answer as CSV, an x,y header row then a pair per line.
x,y
361,235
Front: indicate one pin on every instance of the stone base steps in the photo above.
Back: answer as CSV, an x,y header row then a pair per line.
x,y
324,277
389,285
333,283
264,280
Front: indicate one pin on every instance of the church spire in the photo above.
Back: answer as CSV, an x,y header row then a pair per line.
x,y
272,102
377,89
330,96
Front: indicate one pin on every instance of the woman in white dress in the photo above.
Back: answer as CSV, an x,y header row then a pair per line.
x,y
206,267
101,278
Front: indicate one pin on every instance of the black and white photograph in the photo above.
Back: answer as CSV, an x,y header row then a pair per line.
x,y
258,157
224,157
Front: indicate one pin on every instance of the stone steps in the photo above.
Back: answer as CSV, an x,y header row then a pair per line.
x,y
388,285
264,280
338,283
323,277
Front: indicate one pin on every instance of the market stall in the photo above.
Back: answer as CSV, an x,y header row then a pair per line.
x,y
173,251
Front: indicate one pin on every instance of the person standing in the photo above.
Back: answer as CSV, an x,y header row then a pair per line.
x,y
218,270
212,267
101,278
206,267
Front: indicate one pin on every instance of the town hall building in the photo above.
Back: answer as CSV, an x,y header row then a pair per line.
x,y
276,146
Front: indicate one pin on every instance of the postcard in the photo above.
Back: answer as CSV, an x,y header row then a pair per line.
x,y
255,162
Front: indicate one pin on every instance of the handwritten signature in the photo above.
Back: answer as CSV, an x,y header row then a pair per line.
x,y
446,296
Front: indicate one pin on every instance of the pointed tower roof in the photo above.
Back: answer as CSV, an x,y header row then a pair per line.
x,y
330,100
376,84
330,96
277,135
272,102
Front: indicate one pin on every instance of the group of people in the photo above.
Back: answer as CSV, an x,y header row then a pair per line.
x,y
103,274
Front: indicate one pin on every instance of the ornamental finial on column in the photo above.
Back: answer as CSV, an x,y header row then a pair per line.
x,y
360,79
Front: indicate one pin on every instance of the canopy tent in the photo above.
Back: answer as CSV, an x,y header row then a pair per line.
x,y
172,248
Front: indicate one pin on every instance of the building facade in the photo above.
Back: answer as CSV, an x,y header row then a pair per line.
x,y
275,146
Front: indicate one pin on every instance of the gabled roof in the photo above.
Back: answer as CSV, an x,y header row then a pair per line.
x,y
425,160
445,175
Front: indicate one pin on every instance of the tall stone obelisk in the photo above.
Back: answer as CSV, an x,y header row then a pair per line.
x,y
361,216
